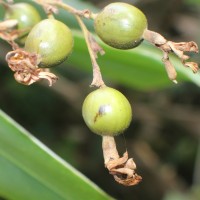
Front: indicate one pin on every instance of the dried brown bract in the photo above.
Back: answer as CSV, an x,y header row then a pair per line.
x,y
96,48
122,168
8,25
168,47
193,66
25,66
8,32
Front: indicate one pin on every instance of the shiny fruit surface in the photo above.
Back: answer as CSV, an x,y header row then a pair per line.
x,y
106,111
52,40
120,25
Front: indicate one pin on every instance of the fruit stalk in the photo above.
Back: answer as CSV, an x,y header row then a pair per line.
x,y
50,5
179,49
93,49
109,149
122,168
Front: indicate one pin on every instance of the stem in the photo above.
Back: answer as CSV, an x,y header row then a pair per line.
x,y
178,49
122,168
109,149
82,13
65,7
50,16
171,71
154,37
97,77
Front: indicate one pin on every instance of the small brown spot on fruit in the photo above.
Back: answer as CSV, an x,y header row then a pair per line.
x,y
103,110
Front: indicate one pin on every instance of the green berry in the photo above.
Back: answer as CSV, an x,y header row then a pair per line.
x,y
106,111
120,25
26,15
52,40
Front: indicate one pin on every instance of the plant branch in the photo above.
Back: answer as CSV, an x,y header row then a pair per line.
x,y
49,4
93,49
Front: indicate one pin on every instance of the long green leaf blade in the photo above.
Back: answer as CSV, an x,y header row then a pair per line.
x,y
29,170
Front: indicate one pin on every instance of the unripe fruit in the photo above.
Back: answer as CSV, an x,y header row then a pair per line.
x,y
120,25
52,40
106,111
26,15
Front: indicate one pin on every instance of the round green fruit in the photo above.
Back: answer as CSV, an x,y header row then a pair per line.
x,y
26,15
120,25
106,111
52,40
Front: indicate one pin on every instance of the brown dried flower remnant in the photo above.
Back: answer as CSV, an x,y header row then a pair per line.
x,y
8,24
122,168
25,66
168,47
8,31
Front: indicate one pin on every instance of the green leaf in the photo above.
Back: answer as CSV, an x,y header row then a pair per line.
x,y
29,170
140,68
193,2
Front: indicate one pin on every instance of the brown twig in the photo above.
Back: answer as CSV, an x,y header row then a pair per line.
x,y
93,49
51,6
